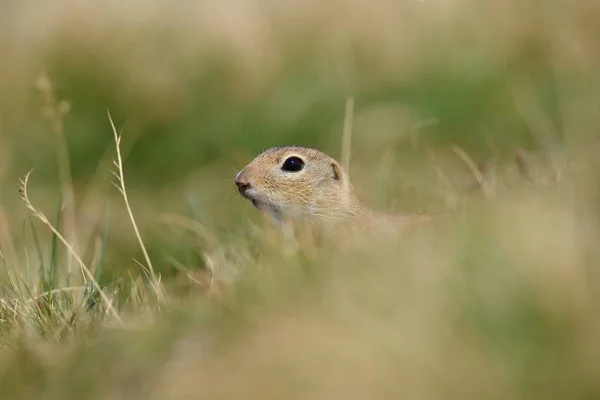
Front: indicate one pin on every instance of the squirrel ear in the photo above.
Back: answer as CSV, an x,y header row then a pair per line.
x,y
337,171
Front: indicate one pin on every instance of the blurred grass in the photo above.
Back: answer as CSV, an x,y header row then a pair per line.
x,y
498,301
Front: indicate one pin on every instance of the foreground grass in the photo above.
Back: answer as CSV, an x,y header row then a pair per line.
x,y
498,299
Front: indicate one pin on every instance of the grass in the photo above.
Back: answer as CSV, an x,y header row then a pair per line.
x,y
174,287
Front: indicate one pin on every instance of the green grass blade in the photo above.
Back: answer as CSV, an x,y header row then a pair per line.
x,y
38,248
90,295
28,266
99,270
55,247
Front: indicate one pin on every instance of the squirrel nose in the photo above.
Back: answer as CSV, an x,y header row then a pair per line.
x,y
242,183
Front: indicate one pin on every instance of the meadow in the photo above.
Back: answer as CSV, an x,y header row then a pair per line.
x,y
130,267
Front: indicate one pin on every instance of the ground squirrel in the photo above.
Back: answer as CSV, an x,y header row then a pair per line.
x,y
298,182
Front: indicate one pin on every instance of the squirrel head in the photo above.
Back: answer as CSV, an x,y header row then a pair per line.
x,y
297,181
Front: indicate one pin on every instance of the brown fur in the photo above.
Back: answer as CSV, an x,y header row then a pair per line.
x,y
320,193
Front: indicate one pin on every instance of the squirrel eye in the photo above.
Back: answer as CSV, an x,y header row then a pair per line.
x,y
293,164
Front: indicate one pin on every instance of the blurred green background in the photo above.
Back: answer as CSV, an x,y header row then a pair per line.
x,y
194,83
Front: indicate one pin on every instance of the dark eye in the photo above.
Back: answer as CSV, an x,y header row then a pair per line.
x,y
293,164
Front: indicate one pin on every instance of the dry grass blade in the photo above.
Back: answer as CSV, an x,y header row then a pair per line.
x,y
121,186
470,164
347,133
85,270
